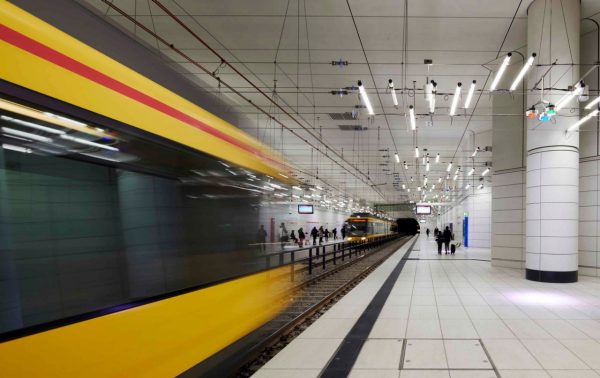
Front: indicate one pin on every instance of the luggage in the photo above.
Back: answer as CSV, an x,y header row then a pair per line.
x,y
452,248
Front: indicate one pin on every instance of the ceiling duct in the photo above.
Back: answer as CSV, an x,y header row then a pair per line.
x,y
352,127
346,116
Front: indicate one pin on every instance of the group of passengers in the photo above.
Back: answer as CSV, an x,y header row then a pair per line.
x,y
442,238
322,234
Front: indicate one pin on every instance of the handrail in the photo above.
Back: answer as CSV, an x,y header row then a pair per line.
x,y
322,254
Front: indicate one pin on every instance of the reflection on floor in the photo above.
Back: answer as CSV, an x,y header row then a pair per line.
x,y
451,317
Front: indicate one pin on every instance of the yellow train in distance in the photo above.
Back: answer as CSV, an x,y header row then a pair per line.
x,y
365,226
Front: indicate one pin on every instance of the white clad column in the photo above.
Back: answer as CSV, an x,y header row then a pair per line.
x,y
552,184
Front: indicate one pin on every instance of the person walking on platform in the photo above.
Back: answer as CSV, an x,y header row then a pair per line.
x,y
327,234
293,237
439,238
343,231
314,233
283,235
427,232
447,237
321,234
334,232
261,237
436,232
301,237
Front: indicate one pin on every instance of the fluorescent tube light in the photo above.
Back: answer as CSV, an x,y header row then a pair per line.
x,y
583,120
470,94
365,98
455,99
413,121
500,71
522,73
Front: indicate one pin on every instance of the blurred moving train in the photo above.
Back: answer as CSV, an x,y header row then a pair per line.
x,y
119,193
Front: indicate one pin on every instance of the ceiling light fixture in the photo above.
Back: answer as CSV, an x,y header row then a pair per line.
x,y
487,170
455,99
405,165
427,166
583,120
470,94
591,104
397,157
500,72
564,100
437,158
416,151
393,92
449,167
413,121
365,98
475,152
522,73
471,172
432,97
467,186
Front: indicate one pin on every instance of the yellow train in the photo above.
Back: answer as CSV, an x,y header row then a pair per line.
x,y
365,226
107,181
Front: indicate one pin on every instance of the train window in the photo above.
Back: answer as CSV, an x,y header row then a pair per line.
x,y
93,217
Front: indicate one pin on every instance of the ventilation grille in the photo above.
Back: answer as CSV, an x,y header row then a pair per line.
x,y
347,116
352,127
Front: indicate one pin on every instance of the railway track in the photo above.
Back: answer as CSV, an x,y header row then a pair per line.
x,y
311,299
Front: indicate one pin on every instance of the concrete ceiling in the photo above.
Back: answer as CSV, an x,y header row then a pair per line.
x,y
380,40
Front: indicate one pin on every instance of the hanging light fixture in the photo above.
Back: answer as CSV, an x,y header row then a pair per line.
x,y
437,158
417,152
475,152
467,186
393,92
471,171
522,73
405,165
427,166
487,170
500,72
397,157
439,179
413,121
470,94
365,98
480,186
455,99
449,167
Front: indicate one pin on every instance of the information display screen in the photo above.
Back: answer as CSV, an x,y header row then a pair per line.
x,y
423,209
305,209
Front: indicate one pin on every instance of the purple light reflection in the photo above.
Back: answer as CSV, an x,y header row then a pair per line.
x,y
552,299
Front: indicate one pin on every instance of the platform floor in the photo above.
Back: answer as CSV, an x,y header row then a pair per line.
x,y
448,316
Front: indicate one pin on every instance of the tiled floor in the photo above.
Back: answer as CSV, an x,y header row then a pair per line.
x,y
458,318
